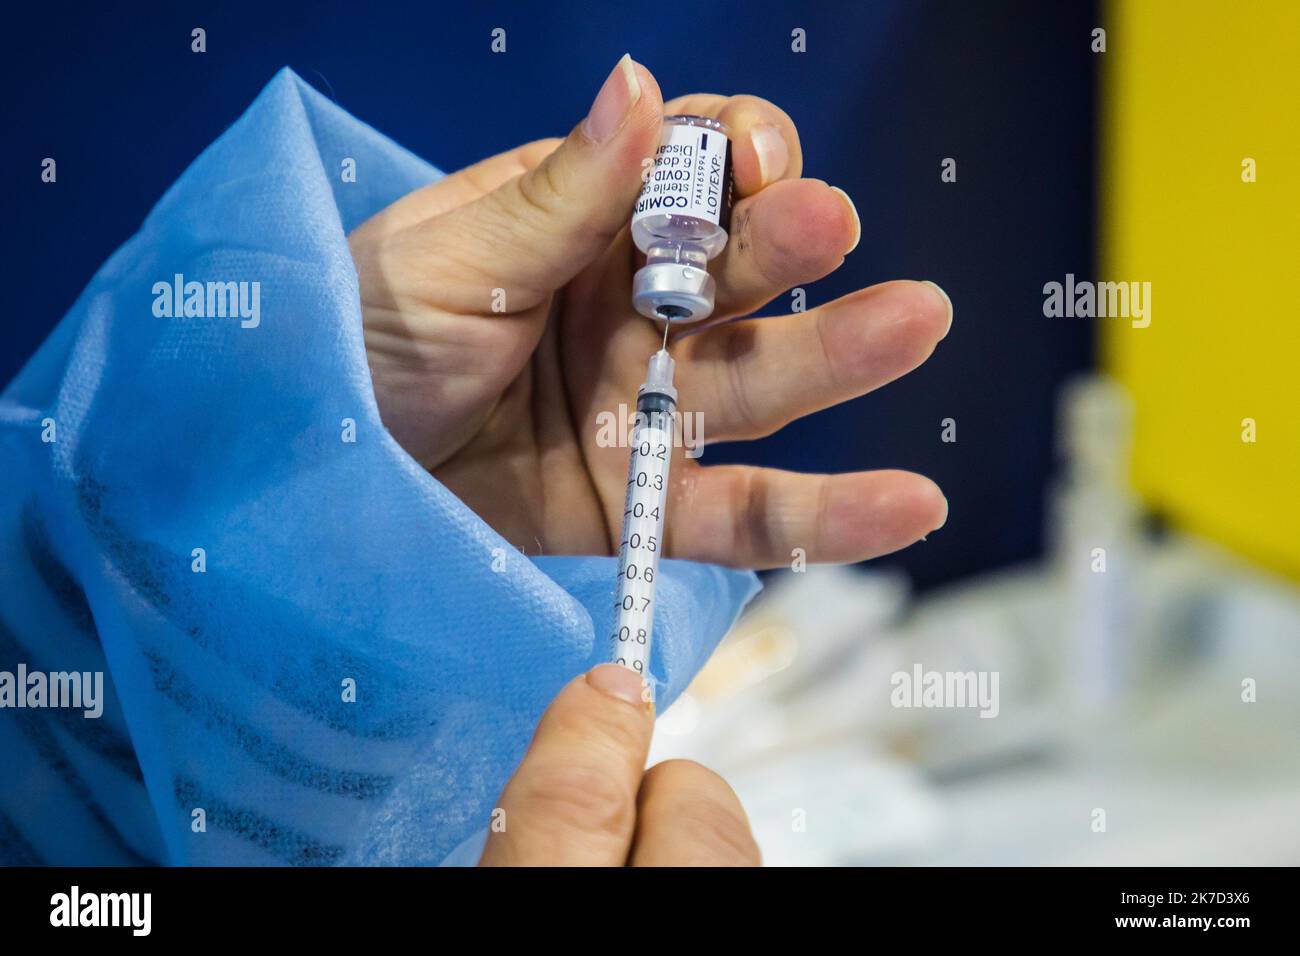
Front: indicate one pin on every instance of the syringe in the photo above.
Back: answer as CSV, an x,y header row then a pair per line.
x,y
643,515
680,222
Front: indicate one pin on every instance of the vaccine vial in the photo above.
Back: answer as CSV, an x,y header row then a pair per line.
x,y
681,219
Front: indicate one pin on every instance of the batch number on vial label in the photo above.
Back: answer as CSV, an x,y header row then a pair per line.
x,y
688,175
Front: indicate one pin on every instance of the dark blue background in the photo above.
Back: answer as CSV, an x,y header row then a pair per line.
x,y
885,91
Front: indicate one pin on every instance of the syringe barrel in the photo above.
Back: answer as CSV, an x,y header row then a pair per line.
x,y
641,542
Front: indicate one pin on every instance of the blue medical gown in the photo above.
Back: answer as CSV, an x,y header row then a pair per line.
x,y
328,568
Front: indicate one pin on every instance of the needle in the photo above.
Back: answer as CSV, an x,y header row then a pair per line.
x,y
667,322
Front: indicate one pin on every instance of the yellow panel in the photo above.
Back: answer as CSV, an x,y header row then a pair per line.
x,y
1191,88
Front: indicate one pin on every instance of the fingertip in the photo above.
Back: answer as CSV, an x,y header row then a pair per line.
x,y
692,781
855,222
931,504
690,815
872,513
625,115
648,111
536,231
639,138
947,302
925,311
901,319
922,506
771,153
606,714
649,86
621,683
801,230
765,143
794,232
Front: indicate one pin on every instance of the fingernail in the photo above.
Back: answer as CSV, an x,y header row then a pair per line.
x,y
773,154
618,95
857,223
946,301
619,681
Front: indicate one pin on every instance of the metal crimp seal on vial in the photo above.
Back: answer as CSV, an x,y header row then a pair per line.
x,y
668,290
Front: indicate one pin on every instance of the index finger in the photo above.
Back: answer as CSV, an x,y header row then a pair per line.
x,y
764,142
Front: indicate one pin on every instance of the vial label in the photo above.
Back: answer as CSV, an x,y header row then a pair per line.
x,y
691,176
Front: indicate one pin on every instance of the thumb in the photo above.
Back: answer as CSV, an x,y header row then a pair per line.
x,y
537,231
572,801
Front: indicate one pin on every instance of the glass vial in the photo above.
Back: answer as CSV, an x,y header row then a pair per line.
x,y
681,219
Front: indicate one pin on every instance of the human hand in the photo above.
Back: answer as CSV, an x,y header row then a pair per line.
x,y
502,406
581,796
